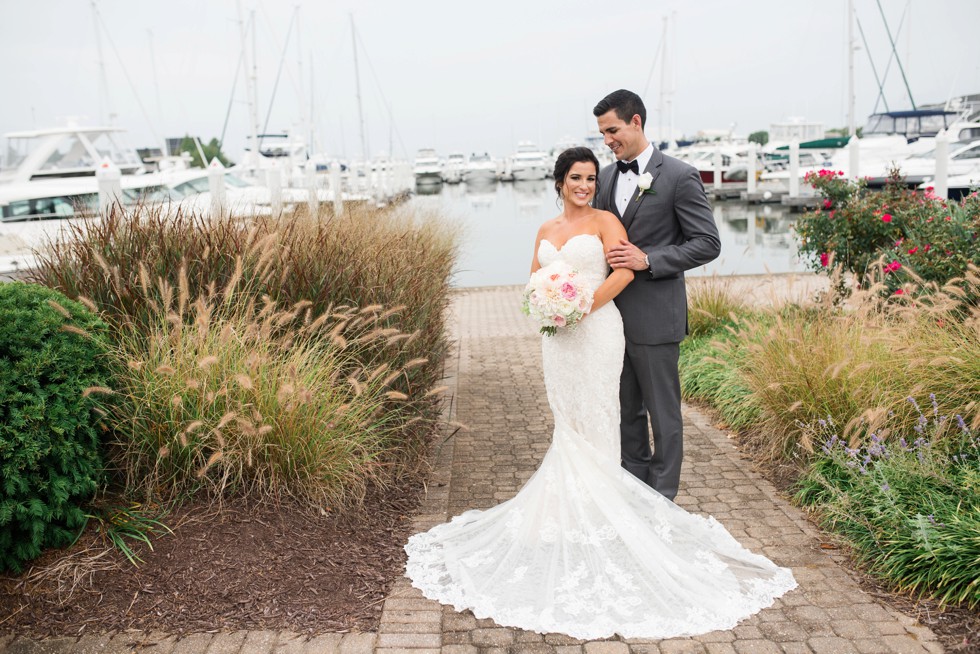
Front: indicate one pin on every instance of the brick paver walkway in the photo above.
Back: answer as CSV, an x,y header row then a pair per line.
x,y
499,397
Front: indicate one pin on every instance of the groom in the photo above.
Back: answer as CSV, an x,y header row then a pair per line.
x,y
671,229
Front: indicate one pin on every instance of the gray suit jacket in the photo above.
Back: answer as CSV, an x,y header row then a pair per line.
x,y
675,227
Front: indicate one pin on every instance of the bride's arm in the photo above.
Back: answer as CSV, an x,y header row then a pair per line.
x,y
535,264
611,231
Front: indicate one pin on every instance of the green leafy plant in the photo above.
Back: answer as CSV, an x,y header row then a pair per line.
x,y
899,240
120,526
53,380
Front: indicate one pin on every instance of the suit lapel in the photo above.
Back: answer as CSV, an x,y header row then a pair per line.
x,y
653,167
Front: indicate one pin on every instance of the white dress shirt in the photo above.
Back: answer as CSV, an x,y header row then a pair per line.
x,y
626,185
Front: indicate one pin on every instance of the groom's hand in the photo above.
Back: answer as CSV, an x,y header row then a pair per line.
x,y
626,255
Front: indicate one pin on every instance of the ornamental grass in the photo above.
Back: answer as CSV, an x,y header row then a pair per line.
x,y
857,364
226,394
298,355
874,403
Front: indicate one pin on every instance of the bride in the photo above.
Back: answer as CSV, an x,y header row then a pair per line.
x,y
585,548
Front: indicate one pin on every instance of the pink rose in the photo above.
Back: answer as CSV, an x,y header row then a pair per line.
x,y
568,291
886,218
827,204
824,259
559,321
899,291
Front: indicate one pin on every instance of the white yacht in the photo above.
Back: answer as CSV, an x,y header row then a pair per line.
x,y
427,167
597,144
454,168
528,163
733,154
61,152
963,156
892,137
959,186
50,173
481,168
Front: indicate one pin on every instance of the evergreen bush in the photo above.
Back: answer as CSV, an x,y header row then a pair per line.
x,y
51,361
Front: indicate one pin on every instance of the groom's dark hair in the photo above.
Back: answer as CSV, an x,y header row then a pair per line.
x,y
625,103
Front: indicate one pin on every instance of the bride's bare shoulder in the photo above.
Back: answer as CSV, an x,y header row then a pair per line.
x,y
608,225
547,227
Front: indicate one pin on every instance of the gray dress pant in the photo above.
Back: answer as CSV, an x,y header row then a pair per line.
x,y
650,386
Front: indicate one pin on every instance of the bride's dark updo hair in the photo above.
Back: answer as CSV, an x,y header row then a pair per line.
x,y
567,159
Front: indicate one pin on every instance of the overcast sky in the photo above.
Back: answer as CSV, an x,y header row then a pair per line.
x,y
464,75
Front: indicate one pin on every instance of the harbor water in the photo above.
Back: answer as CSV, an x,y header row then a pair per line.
x,y
499,222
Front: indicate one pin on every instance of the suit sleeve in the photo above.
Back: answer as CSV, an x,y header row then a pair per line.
x,y
701,243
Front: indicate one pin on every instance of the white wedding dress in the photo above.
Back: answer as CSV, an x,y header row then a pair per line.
x,y
584,548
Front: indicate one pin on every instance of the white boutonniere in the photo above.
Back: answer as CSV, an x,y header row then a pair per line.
x,y
644,183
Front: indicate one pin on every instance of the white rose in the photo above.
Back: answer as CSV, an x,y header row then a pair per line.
x,y
646,179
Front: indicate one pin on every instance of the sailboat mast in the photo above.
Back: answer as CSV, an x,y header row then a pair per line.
x,y
663,85
299,64
673,77
898,59
253,114
357,80
851,129
103,81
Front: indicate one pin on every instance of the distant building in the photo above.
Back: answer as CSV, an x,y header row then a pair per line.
x,y
795,128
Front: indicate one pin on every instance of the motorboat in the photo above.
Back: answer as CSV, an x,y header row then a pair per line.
x,y
427,167
481,168
732,156
454,168
958,186
597,144
963,156
51,173
63,152
528,163
892,137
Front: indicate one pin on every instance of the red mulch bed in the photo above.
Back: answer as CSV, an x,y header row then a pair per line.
x,y
237,566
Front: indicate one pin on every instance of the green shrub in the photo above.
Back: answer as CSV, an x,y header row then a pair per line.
x,y
51,359
899,237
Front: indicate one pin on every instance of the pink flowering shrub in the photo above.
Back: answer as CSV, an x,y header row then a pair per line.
x,y
899,236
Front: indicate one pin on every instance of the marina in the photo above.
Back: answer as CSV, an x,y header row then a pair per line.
x,y
499,222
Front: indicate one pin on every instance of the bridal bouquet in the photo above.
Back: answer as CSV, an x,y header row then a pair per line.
x,y
555,298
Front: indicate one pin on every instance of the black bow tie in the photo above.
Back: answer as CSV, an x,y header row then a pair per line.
x,y
623,166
